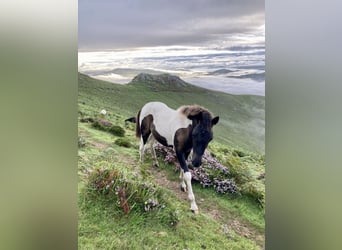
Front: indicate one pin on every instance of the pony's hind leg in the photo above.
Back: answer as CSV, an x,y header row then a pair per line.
x,y
141,149
143,140
144,135
153,151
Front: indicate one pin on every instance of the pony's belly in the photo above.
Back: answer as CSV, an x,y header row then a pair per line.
x,y
168,128
165,132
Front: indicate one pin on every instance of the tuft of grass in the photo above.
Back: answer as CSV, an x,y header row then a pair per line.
x,y
117,130
107,126
81,142
96,124
123,142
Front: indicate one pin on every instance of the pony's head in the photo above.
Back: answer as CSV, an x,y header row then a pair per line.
x,y
202,133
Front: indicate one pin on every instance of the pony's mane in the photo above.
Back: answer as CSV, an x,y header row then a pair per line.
x,y
192,110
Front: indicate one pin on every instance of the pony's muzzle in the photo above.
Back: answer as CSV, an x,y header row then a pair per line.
x,y
196,163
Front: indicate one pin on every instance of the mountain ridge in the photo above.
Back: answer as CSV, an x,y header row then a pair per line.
x,y
161,82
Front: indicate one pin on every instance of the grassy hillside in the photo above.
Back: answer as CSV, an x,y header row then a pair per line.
x,y
127,205
242,118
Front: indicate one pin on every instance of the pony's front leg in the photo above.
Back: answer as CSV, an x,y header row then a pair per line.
x,y
182,183
191,196
187,178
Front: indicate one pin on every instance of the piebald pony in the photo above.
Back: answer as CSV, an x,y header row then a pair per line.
x,y
185,129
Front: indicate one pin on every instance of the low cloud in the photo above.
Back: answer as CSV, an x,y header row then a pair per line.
x,y
133,23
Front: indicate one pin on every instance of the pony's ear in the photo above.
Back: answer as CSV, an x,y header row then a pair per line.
x,y
215,120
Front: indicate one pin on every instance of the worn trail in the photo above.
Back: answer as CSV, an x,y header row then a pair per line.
x,y
213,210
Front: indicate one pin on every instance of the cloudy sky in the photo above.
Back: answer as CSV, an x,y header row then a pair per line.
x,y
123,24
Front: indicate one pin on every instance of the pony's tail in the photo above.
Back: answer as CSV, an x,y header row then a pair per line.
x,y
137,125
131,119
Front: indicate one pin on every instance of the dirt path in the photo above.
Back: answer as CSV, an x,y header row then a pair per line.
x,y
214,211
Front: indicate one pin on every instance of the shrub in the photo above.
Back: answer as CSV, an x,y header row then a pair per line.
x,y
130,193
256,190
107,126
102,124
239,153
87,120
105,123
117,130
99,126
235,165
123,142
126,191
250,182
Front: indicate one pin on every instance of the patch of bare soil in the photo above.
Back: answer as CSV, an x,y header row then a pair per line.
x,y
99,145
128,161
173,186
233,224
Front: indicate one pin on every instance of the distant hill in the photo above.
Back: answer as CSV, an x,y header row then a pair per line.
x,y
255,76
242,117
220,72
162,82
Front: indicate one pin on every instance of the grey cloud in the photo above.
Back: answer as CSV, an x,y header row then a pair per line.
x,y
130,23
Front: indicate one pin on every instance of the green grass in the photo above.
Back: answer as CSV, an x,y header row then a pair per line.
x,y
224,221
100,229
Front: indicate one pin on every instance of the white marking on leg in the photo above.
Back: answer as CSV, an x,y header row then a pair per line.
x,y
141,150
182,183
187,178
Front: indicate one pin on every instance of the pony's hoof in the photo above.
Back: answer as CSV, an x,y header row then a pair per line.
x,y
195,211
183,189
156,165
